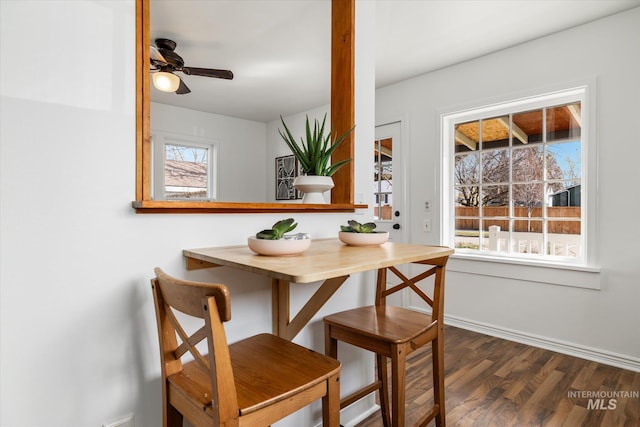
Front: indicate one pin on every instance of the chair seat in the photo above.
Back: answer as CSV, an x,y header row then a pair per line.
x,y
266,368
387,323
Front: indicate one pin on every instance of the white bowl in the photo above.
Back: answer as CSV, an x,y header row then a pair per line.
x,y
281,247
363,239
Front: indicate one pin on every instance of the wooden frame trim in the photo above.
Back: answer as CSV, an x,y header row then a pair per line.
x,y
342,119
343,15
162,206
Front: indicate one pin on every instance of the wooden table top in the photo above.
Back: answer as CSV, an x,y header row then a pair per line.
x,y
326,258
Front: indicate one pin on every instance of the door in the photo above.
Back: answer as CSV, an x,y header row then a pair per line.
x,y
389,210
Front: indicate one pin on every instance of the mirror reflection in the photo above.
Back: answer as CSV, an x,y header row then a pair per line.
x,y
209,135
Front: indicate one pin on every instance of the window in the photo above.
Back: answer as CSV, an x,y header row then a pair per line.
x,y
383,178
183,168
515,183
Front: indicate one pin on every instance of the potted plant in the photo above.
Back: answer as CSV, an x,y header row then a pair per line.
x,y
274,241
356,234
314,155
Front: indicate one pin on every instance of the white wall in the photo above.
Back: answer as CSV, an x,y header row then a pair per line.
x,y
240,148
78,335
600,323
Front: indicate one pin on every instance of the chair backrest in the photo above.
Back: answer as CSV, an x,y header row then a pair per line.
x,y
210,302
436,303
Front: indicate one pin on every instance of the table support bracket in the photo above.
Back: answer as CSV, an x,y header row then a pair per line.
x,y
287,329
198,264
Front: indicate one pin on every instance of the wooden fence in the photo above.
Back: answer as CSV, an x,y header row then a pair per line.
x,y
496,215
386,212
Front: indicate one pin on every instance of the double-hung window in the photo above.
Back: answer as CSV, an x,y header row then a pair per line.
x,y
516,180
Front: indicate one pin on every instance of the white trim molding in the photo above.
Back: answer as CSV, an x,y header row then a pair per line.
x,y
584,352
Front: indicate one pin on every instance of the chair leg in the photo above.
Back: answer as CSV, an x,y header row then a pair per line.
x,y
172,418
331,403
330,343
437,348
398,366
383,391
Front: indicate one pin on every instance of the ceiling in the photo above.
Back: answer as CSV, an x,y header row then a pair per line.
x,y
279,50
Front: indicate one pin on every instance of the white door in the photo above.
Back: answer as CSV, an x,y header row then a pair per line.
x,y
390,213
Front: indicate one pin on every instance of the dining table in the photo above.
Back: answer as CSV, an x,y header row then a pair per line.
x,y
328,261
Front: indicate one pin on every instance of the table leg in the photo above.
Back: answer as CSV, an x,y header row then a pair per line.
x,y
280,307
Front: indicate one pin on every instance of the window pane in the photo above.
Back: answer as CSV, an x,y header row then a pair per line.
x,y
495,196
467,136
528,199
527,164
467,234
527,237
467,223
564,193
497,236
467,240
186,171
467,196
564,161
467,169
495,166
527,128
495,132
383,179
564,237
563,122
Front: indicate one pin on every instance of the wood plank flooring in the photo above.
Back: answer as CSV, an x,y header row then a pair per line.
x,y
493,382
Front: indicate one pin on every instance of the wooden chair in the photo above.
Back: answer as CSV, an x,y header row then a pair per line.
x,y
395,332
253,382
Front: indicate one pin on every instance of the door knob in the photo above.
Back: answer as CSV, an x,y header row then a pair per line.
x,y
396,226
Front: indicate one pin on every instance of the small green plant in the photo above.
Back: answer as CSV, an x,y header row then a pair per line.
x,y
314,153
356,227
278,230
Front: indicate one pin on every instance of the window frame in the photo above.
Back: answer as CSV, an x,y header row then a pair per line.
x,y
159,140
580,272
342,118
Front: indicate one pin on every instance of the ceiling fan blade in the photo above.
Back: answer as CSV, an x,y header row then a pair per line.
x,y
182,89
208,72
156,55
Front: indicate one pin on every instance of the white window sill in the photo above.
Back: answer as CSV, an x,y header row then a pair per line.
x,y
579,276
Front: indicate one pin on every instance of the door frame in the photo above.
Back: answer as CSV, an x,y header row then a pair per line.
x,y
402,156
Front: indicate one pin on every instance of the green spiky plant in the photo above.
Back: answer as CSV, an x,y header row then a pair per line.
x,y
356,227
314,153
278,230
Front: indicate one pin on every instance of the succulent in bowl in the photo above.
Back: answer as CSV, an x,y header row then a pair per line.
x,y
278,230
356,227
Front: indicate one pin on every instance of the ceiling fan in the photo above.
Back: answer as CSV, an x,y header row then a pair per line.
x,y
165,62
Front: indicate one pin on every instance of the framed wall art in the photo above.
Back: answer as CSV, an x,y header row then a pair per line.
x,y
286,173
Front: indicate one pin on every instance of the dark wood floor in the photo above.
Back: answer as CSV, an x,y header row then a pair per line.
x,y
494,382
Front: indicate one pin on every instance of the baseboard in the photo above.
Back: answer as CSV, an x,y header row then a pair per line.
x,y
583,352
354,414
358,418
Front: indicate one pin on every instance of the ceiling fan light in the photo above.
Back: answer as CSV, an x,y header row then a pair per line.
x,y
166,82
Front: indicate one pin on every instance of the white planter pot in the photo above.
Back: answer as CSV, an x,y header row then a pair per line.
x,y
313,187
363,239
281,247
